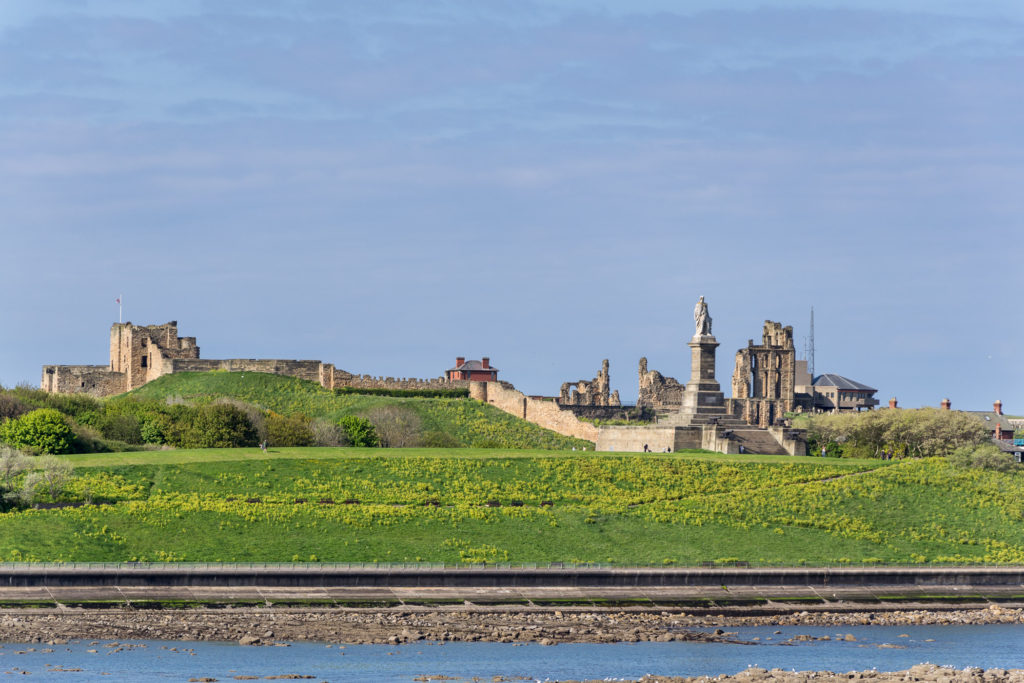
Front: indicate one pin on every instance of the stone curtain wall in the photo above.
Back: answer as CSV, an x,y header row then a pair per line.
x,y
95,380
545,414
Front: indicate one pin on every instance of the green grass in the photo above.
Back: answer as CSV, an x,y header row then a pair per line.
x,y
656,510
468,421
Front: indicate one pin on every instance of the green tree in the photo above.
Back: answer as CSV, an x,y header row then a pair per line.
x,y
44,430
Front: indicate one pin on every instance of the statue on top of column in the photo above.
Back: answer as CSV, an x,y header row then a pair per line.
x,y
702,319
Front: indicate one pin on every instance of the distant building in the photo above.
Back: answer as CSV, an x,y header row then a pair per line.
x,y
1000,427
476,370
836,393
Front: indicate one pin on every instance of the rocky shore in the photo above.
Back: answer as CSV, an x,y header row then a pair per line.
x,y
265,626
922,673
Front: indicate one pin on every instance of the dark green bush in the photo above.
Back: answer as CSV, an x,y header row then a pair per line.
x,y
219,426
360,431
125,428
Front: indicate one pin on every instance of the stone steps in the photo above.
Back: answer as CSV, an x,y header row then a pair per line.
x,y
758,441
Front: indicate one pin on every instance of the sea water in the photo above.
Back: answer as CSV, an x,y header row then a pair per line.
x,y
886,648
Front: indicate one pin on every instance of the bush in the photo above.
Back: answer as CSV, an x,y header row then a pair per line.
x,y
438,439
219,426
288,431
327,433
44,430
125,428
397,426
10,407
986,457
360,431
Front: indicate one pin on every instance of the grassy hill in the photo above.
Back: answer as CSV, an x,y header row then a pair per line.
x,y
466,421
467,505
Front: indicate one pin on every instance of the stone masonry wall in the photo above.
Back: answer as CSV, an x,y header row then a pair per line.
x,y
95,380
545,414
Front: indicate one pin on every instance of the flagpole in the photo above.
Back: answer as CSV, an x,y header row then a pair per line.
x,y
120,305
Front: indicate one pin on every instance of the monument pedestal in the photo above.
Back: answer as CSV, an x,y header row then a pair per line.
x,y
703,401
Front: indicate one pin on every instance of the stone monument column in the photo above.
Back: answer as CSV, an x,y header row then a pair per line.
x,y
703,397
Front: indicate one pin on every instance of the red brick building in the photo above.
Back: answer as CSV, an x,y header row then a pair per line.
x,y
478,370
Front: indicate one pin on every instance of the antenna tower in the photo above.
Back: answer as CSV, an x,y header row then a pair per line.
x,y
810,347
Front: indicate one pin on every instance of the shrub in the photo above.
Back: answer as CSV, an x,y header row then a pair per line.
x,y
125,428
257,416
288,431
397,426
219,426
10,407
43,430
439,439
986,457
360,431
327,433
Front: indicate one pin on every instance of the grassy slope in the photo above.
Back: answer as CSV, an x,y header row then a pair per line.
x,y
467,420
683,508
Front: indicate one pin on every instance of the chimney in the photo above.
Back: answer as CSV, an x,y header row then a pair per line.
x,y
999,432
998,407
892,403
486,362
459,360
946,404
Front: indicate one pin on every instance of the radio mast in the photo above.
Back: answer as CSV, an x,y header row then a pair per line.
x,y
810,347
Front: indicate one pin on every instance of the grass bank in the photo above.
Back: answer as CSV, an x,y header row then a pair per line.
x,y
465,505
465,422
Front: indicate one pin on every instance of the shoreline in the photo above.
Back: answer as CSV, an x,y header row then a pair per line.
x,y
547,626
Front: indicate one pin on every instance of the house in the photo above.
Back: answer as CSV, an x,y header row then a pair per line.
x,y
476,370
999,426
837,393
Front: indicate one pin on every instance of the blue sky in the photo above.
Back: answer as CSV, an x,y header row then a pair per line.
x,y
388,185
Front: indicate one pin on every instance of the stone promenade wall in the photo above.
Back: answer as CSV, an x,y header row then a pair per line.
x,y
547,414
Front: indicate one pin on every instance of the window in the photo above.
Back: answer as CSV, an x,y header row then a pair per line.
x,y
144,359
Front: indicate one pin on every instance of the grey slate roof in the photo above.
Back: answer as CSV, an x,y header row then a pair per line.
x,y
832,380
992,419
472,366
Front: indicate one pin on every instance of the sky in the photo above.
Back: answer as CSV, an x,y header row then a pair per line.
x,y
386,186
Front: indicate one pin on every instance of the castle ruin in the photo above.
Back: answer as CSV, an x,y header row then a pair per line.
x,y
658,392
596,392
142,353
764,379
